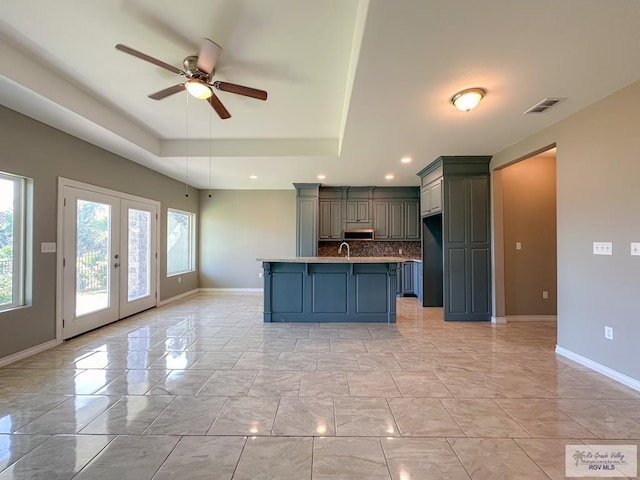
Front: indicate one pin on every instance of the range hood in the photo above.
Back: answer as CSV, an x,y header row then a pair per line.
x,y
358,234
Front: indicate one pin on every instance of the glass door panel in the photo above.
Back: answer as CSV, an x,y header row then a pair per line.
x,y
138,240
93,224
91,260
139,255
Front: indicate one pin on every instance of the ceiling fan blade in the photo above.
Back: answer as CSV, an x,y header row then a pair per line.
x,y
217,105
240,90
167,91
208,55
147,58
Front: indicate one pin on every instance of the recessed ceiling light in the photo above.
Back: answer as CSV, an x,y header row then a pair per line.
x,y
405,159
389,177
321,177
253,177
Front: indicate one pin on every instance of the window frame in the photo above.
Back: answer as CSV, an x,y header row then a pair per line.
x,y
192,241
19,233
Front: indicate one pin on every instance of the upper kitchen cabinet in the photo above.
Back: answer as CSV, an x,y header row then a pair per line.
x,y
396,213
431,198
330,219
307,219
456,243
324,213
431,189
331,205
358,207
358,211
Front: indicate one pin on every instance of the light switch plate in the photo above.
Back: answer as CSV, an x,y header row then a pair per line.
x,y
518,245
48,247
602,248
608,333
635,248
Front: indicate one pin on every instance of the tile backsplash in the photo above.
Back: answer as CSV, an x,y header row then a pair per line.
x,y
372,249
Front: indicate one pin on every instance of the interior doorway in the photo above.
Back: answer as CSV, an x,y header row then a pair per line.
x,y
525,229
108,253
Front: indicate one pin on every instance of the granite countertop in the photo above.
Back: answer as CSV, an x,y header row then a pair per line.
x,y
335,260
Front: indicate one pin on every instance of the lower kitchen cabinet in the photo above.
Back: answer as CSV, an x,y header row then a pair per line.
x,y
407,278
417,279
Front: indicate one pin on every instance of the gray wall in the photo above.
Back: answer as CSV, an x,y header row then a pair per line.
x,y
529,197
598,167
32,149
238,226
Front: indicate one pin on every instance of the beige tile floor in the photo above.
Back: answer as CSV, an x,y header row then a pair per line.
x,y
202,388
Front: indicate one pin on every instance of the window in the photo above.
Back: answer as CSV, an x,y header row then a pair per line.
x,y
12,241
180,242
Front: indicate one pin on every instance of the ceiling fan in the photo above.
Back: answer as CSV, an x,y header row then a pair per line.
x,y
198,71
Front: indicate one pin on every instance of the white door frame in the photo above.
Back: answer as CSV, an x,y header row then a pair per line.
x,y
66,182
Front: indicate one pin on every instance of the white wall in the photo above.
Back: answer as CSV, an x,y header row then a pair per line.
x,y
238,226
598,199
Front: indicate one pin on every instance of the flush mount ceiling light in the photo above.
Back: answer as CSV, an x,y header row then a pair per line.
x,y
253,177
388,177
321,177
198,88
405,159
467,99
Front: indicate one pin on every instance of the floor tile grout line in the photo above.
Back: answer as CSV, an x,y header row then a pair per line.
x,y
386,459
395,421
167,457
95,456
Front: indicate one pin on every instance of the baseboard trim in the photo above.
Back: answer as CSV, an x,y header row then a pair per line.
x,y
598,367
532,318
177,297
231,290
497,320
28,352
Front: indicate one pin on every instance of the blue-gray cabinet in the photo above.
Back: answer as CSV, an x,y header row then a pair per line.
x,y
396,219
417,280
358,211
330,219
381,219
303,290
412,220
456,237
407,279
431,198
307,219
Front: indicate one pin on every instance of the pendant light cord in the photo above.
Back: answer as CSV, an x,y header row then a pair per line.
x,y
186,173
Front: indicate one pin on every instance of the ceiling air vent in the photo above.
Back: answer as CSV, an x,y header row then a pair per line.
x,y
544,105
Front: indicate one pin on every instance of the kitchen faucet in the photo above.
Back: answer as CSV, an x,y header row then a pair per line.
x,y
340,248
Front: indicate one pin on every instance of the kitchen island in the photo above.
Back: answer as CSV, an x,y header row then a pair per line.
x,y
330,289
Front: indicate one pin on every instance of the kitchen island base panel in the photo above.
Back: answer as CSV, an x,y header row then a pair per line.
x,y
330,292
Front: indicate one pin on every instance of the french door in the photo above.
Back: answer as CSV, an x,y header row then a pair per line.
x,y
109,258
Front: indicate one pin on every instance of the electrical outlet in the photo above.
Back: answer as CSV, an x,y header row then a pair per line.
x,y
518,245
635,248
608,333
179,279
545,295
399,251
48,247
602,248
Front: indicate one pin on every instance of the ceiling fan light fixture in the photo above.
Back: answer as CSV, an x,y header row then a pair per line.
x,y
467,99
198,88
